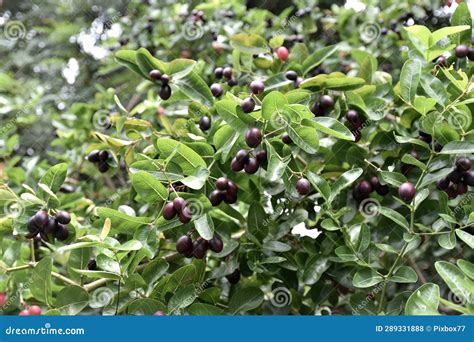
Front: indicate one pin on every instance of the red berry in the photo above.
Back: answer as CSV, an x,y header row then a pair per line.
x,y
282,53
3,298
24,312
34,310
159,313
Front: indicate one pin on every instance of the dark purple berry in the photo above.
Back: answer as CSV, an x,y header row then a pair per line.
x,y
165,79
407,191
31,225
468,178
242,156
253,137
41,218
236,166
227,72
185,215
218,72
103,167
257,87
165,92
461,51
261,156
61,233
365,188
92,265
169,211
232,82
216,89
230,198
216,197
252,166
443,184
455,176
155,74
234,277
205,123
179,203
93,157
461,188
326,101
63,217
222,183
353,117
248,105
286,138
215,244
463,164
103,156
200,248
184,245
291,75
470,54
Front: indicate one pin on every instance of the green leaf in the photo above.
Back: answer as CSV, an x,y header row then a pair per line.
x,y
331,127
129,59
122,223
363,239
249,43
304,137
320,184
273,104
437,35
54,178
149,187
462,16
71,300
193,87
205,227
424,104
366,277
183,298
395,217
409,79
404,274
317,57
146,62
455,279
181,154
467,267
345,180
203,309
40,285
314,269
466,237
409,159
256,218
434,88
393,178
447,241
245,299
227,110
98,274
424,301
458,147
145,307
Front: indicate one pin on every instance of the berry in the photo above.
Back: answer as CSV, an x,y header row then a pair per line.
x,y
455,176
382,190
216,89
291,75
470,54
66,189
103,167
205,123
326,101
31,225
443,184
407,191
63,217
165,92
248,105
215,244
261,156
222,183
51,226
185,215
317,109
34,310
179,203
24,312
461,51
365,188
303,186
282,53
242,156
234,277
438,147
159,313
286,138
463,164
252,166
169,211
3,298
232,189
298,81
353,117
92,264
200,248
468,178
165,79
232,82
103,155
61,233
253,137
442,61
184,245
218,72
257,87
93,157
155,74
461,188
227,72
230,198
452,191
216,197
40,218
236,166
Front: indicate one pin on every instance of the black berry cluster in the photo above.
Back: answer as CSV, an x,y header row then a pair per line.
x,y
462,51
250,162
325,103
165,90
293,76
427,138
44,225
363,190
224,72
226,191
177,207
100,159
199,247
459,179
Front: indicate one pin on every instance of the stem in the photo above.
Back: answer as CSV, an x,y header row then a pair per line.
x,y
64,279
32,247
454,306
